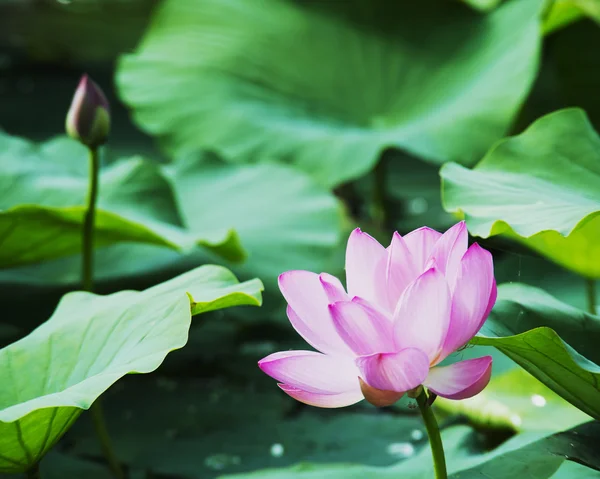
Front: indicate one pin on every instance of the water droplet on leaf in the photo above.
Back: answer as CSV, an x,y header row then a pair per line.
x,y
538,401
401,449
516,420
277,450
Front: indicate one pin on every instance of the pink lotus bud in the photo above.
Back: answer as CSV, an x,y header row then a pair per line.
x,y
405,308
88,119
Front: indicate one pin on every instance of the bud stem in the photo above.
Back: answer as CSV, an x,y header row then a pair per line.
x,y
97,414
87,273
433,432
87,276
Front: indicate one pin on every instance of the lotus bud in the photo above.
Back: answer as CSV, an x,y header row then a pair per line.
x,y
88,119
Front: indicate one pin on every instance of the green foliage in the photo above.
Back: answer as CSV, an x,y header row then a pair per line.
x,y
553,341
563,12
541,188
206,428
516,400
528,455
89,343
282,218
43,204
286,123
327,88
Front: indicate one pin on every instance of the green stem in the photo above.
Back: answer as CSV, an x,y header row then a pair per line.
x,y
591,295
87,272
34,472
97,414
435,440
87,278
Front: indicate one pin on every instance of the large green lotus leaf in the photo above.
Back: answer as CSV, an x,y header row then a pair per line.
x,y
284,219
328,86
541,188
530,455
90,342
553,341
516,400
43,204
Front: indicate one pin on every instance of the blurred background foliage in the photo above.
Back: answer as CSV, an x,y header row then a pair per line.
x,y
290,123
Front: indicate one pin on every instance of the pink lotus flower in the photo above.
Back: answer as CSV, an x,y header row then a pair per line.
x,y
406,308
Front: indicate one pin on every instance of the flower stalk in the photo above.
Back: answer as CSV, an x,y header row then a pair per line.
x,y
433,432
87,276
87,270
97,414
88,121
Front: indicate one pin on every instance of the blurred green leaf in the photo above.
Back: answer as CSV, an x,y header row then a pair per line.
x,y
528,455
43,204
206,427
287,221
414,194
90,342
284,219
564,12
563,284
553,341
516,400
328,86
541,188
73,31
572,470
